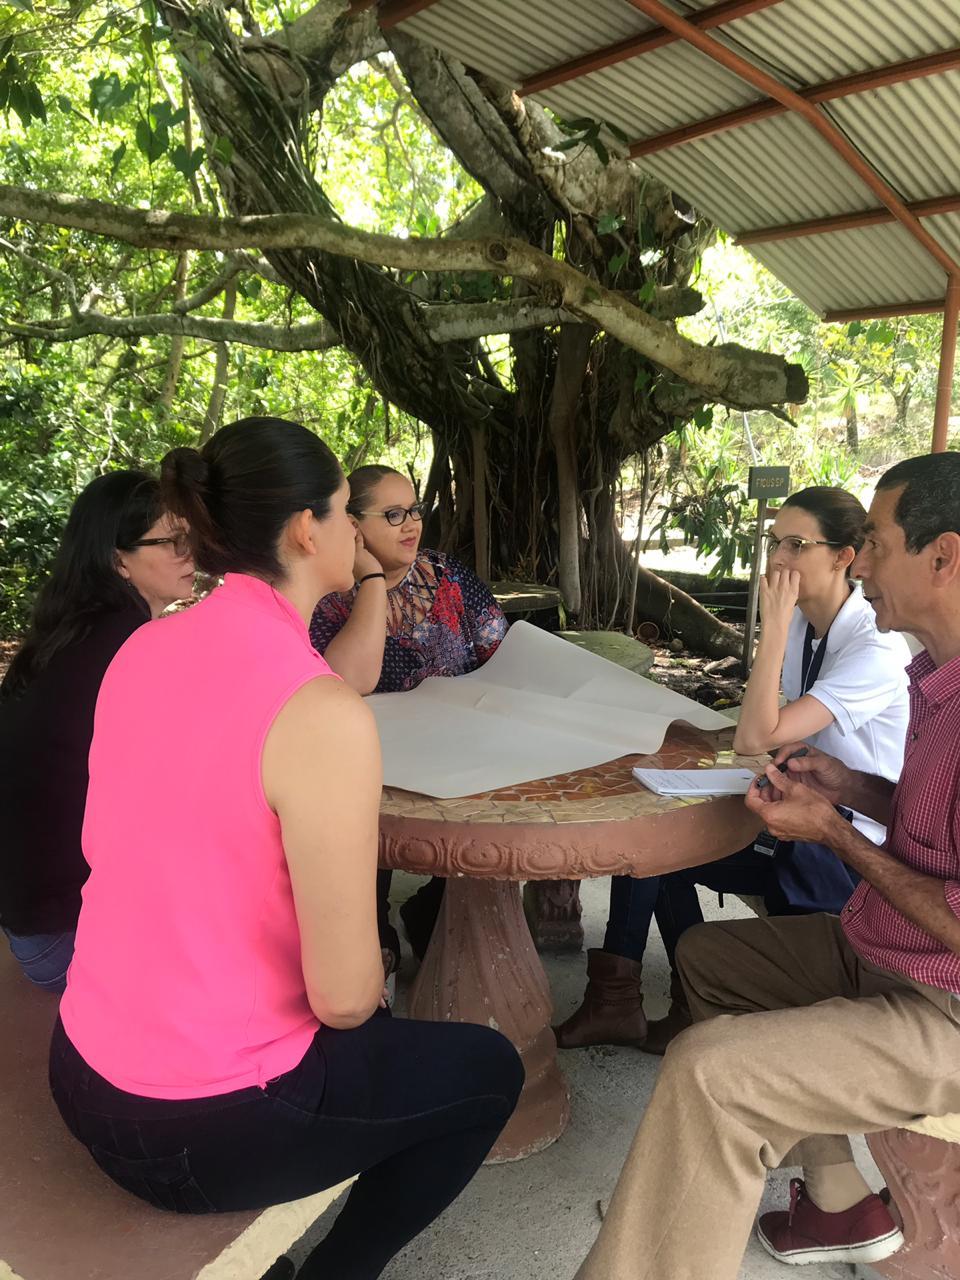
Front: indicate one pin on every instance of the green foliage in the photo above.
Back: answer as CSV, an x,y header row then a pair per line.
x,y
69,411
707,496
586,132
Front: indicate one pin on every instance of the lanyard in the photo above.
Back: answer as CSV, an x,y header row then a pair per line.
x,y
810,662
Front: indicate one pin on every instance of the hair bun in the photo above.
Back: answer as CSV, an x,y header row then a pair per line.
x,y
186,468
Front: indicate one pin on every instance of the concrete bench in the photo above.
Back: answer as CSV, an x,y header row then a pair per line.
x,y
616,647
528,599
921,1166
62,1219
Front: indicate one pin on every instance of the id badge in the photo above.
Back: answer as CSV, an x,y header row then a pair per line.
x,y
766,844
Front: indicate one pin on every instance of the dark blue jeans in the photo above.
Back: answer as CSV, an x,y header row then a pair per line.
x,y
412,1107
44,957
673,900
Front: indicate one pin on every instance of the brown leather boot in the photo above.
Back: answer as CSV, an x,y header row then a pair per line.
x,y
612,1008
660,1031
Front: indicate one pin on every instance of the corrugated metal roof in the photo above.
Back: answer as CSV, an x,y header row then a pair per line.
x,y
807,42
923,112
641,96
833,268
769,172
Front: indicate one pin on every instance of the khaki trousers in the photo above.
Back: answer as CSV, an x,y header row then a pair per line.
x,y
797,1041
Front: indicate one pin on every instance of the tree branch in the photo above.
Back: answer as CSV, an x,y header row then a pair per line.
x,y
270,337
728,374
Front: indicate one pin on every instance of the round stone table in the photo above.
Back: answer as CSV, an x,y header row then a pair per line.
x,y
481,965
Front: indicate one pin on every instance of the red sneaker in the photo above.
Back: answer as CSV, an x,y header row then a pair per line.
x,y
864,1233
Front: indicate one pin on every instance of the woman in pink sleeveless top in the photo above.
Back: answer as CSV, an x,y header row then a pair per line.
x,y
222,1044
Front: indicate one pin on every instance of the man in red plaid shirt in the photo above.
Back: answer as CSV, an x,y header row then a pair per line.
x,y
812,1027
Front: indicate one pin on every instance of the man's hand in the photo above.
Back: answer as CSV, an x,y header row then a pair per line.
x,y
792,811
826,775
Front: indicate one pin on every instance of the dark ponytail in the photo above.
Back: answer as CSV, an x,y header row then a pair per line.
x,y
240,489
110,514
839,514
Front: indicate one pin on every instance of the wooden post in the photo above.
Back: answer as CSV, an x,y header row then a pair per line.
x,y
753,597
948,352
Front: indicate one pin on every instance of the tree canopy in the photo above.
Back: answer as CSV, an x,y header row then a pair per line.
x,y
212,207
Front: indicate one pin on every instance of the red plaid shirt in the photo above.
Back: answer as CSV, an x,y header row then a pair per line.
x,y
924,832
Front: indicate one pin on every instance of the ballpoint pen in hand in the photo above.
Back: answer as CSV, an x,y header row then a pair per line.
x,y
764,781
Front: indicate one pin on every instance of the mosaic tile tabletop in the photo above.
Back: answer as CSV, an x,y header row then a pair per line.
x,y
604,793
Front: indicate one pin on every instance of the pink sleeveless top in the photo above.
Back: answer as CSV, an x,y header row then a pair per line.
x,y
186,981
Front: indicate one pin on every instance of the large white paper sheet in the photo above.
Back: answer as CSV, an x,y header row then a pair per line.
x,y
539,707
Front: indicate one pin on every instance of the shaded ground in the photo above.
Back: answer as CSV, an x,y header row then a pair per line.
x,y
713,682
536,1219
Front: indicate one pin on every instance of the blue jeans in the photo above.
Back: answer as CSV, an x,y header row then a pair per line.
x,y
801,879
412,1107
43,957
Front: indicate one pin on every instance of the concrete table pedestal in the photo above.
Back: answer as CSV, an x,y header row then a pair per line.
x,y
481,965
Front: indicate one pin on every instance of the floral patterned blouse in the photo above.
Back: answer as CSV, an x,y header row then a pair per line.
x,y
442,620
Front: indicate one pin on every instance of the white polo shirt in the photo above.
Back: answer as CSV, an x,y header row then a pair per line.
x,y
863,684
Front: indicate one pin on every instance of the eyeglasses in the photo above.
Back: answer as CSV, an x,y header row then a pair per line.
x,y
179,544
397,515
793,546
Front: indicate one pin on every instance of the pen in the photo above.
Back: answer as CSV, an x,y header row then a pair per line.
x,y
764,781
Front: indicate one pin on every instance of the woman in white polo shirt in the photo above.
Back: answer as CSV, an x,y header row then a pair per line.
x,y
846,691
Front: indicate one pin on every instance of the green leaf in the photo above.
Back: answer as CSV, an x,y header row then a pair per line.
x,y
100,32
185,163
704,418
647,292
116,157
579,125
251,288
25,99
151,142
223,150
603,155
880,334
146,42
618,133
5,46
569,143
618,262
25,6
608,222
642,380
854,329
108,94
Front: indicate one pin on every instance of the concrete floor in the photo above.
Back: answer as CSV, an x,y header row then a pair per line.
x,y
535,1219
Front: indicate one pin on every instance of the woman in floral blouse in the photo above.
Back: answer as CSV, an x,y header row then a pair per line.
x,y
412,613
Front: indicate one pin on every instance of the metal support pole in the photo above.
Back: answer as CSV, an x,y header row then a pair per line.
x,y
753,598
948,353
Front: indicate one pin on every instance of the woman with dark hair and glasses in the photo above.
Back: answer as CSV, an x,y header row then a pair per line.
x,y
846,692
121,561
220,1045
411,613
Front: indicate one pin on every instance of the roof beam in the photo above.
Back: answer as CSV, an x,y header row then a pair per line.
x,y
835,138
886,311
844,87
636,46
847,221
390,13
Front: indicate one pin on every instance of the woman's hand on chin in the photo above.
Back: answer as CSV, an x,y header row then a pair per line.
x,y
779,593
